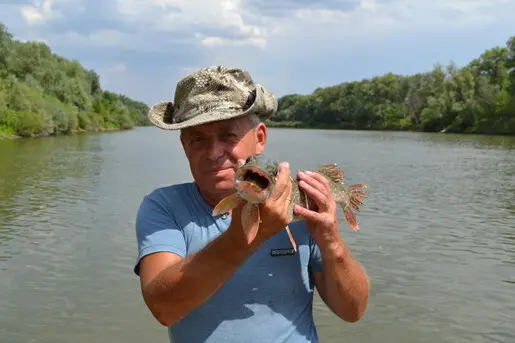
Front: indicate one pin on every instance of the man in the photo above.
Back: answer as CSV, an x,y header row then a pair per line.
x,y
198,275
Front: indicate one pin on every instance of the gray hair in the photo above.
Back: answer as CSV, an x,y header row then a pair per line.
x,y
254,120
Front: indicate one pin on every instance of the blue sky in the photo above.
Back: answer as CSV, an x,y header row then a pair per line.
x,y
141,48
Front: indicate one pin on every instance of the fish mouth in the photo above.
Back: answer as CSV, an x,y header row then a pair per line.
x,y
253,184
254,175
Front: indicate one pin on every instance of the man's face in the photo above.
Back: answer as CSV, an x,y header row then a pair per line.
x,y
213,151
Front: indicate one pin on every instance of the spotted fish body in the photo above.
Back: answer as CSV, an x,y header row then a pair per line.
x,y
348,197
256,180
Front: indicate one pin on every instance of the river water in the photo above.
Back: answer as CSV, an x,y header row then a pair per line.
x,y
437,233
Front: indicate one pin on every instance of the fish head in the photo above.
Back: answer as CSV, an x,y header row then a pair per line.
x,y
256,178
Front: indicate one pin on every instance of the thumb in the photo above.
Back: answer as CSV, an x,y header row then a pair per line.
x,y
282,180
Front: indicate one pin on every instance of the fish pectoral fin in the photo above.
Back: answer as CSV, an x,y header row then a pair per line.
x,y
357,196
351,218
250,220
292,240
227,204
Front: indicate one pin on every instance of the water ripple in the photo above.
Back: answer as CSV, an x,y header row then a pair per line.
x,y
437,233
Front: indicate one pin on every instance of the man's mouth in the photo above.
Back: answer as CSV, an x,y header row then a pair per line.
x,y
217,170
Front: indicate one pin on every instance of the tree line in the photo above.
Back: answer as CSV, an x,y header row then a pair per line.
x,y
42,93
476,98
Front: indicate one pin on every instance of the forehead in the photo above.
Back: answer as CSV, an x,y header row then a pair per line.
x,y
239,123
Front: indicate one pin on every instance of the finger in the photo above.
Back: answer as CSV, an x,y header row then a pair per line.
x,y
316,180
318,197
287,194
319,178
307,214
310,181
283,180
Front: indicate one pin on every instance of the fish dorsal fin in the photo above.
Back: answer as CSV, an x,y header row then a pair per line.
x,y
332,171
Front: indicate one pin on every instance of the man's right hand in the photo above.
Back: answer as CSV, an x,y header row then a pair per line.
x,y
274,212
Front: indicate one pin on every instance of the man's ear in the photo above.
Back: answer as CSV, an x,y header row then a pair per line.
x,y
261,135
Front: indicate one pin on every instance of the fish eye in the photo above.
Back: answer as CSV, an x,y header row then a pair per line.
x,y
273,171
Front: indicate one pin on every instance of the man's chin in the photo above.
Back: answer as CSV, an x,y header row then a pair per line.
x,y
222,179
220,189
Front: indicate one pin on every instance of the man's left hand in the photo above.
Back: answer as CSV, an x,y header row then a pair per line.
x,y
322,223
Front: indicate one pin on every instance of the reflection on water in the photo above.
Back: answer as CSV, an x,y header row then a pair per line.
x,y
44,178
437,233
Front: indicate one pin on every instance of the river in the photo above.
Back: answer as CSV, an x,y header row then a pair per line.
x,y
437,233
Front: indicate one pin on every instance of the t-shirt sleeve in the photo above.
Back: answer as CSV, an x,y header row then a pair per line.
x,y
157,230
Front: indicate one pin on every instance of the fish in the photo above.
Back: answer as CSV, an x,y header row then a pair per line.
x,y
256,179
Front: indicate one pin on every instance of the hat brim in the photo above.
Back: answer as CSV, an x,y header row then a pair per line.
x,y
264,106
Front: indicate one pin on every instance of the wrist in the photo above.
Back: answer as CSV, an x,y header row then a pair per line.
x,y
237,242
334,251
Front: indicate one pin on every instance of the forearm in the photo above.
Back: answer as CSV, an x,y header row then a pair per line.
x,y
346,283
182,287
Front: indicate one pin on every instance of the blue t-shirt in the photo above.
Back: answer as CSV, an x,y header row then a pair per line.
x,y
268,299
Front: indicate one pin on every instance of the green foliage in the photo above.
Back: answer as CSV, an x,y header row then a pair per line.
x,y
42,93
477,98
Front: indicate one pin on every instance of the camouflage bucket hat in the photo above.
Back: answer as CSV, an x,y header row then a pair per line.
x,y
213,94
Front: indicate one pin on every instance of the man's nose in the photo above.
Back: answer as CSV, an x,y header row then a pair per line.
x,y
215,150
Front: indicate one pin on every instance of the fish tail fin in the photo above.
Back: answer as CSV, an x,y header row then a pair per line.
x,y
350,216
227,204
357,198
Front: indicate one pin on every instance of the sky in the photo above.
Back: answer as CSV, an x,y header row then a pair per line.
x,y
142,48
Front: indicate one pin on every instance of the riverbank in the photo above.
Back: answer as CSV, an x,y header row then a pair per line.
x,y
301,125
477,98
8,136
51,95
5,135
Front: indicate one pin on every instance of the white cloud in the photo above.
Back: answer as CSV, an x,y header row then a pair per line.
x,y
235,23
196,18
373,19
220,41
291,45
241,23
40,11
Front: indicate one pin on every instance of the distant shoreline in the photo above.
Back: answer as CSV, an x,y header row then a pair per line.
x,y
71,133
291,125
275,125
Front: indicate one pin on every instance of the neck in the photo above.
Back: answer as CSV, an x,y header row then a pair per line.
x,y
213,199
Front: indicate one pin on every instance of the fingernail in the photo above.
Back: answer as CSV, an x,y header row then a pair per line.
x,y
285,165
309,172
